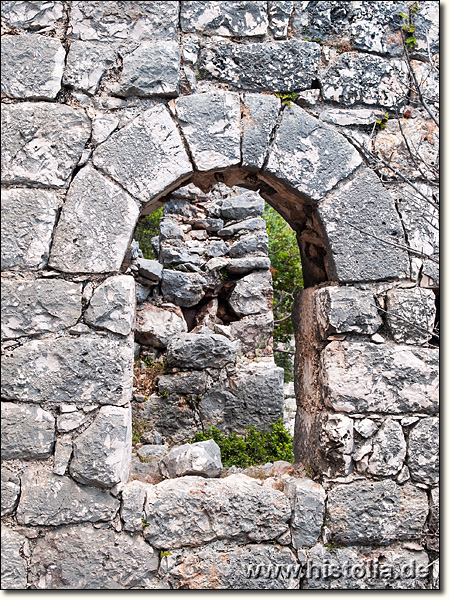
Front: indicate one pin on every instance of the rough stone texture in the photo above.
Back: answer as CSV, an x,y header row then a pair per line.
x,y
87,63
258,122
361,222
411,314
252,294
152,452
365,79
389,449
14,566
96,225
43,370
379,512
155,325
134,494
31,15
10,491
63,453
146,156
423,451
48,499
28,218
150,269
242,226
244,206
271,67
201,458
211,125
426,20
337,441
243,19
190,382
225,566
279,15
199,351
362,378
32,66
27,431
112,305
169,230
102,453
365,427
308,505
254,332
183,289
81,557
346,310
42,143
433,523
351,116
70,421
153,69
309,155
190,511
241,266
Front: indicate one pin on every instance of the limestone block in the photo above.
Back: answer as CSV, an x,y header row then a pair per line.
x,y
112,305
177,252
426,20
279,15
70,421
155,326
134,494
180,206
199,351
258,122
42,143
63,453
423,451
254,332
200,458
32,66
27,431
308,506
10,491
229,19
86,64
252,224
169,230
211,125
389,449
243,206
242,266
252,294
96,225
183,289
365,427
411,314
150,269
189,382
14,566
152,452
351,116
337,442
39,15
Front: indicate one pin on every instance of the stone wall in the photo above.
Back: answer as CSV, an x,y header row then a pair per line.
x,y
110,109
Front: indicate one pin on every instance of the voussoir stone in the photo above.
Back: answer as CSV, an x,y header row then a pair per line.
x,y
189,511
211,125
40,306
241,18
155,325
43,370
260,113
86,64
42,142
200,458
183,289
308,505
423,451
112,305
147,156
389,449
27,431
39,15
10,491
252,294
14,566
199,351
96,225
82,557
363,377
32,66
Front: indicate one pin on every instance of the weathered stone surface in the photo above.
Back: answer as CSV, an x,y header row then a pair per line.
x,y
201,458
112,305
252,294
258,122
351,116
241,266
14,566
423,451
364,378
150,269
156,325
211,125
146,156
254,332
279,15
378,512
244,206
308,155
411,314
169,230
336,438
31,15
426,20
389,449
28,218
118,22
43,370
180,206
225,566
308,506
153,69
361,222
243,19
42,142
10,492
81,557
238,508
252,224
183,289
256,67
30,307
365,79
70,421
63,453
152,452
365,427
48,499
32,66
87,62
102,453
190,382
433,523
199,351
134,494
27,431
96,225
177,252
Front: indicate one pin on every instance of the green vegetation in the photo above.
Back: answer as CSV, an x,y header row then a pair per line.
x,y
381,123
254,448
287,97
147,228
409,28
164,553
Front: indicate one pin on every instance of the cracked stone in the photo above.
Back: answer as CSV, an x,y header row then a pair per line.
x,y
241,18
27,431
112,305
87,63
260,114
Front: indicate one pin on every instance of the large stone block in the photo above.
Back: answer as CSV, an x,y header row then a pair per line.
x,y
32,66
375,512
39,306
308,505
244,206
10,491
86,64
252,294
155,325
14,566
183,289
423,451
96,225
201,458
211,125
112,305
229,19
42,143
411,314
27,431
90,369
260,113
199,351
81,557
308,155
362,378
147,156
39,15
389,450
